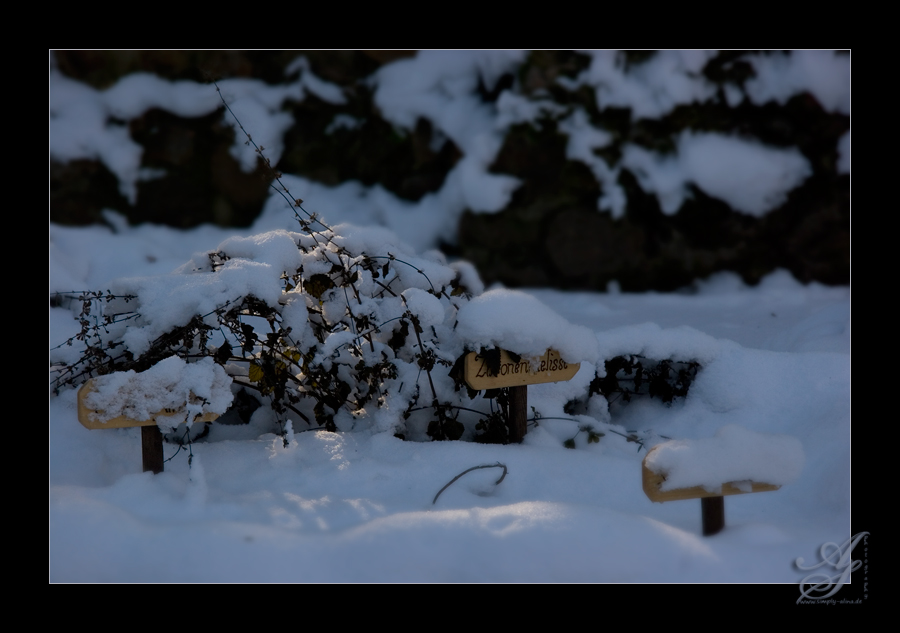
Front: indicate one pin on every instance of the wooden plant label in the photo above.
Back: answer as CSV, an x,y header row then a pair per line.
x,y
651,482
151,437
516,375
90,420
712,504
549,368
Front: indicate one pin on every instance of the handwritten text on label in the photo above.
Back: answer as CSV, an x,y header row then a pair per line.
x,y
548,368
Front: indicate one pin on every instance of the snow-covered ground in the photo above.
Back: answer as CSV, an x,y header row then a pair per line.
x,y
359,506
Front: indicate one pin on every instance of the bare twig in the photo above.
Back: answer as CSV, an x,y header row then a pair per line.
x,y
497,465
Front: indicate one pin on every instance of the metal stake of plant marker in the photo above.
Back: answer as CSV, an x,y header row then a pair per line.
x,y
518,405
152,449
713,512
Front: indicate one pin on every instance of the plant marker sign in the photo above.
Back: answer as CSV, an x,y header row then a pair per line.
x,y
151,437
516,372
712,504
736,461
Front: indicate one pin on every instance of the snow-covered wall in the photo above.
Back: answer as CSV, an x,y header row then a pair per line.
x,y
679,122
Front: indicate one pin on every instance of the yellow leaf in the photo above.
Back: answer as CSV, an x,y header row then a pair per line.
x,y
256,372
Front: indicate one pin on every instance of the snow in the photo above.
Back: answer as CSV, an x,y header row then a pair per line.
x,y
751,177
165,302
426,307
356,505
322,89
670,78
583,140
518,322
440,86
87,123
651,89
779,76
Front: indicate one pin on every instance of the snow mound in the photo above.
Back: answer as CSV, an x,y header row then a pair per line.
x,y
520,323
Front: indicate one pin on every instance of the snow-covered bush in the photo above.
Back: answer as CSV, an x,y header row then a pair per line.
x,y
318,322
340,327
329,325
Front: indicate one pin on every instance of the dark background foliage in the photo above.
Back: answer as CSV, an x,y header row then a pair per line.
x,y
550,234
